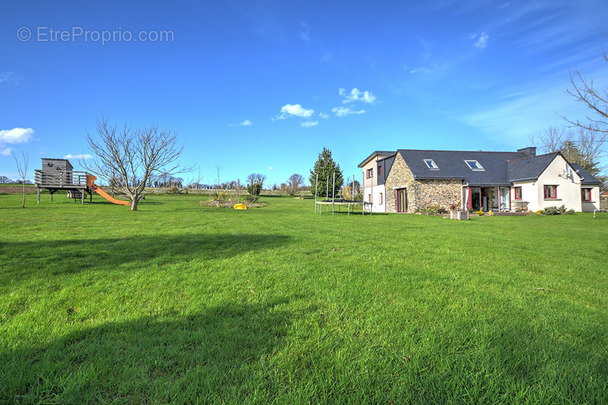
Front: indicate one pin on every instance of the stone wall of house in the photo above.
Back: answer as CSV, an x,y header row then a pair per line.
x,y
400,176
420,193
437,193
492,198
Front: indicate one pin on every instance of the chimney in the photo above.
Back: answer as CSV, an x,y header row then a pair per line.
x,y
530,151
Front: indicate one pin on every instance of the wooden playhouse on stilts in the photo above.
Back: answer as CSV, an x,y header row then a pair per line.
x,y
59,174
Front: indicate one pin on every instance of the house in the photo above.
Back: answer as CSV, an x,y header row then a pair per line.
x,y
408,180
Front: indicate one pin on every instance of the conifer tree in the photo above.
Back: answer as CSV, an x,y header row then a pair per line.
x,y
325,167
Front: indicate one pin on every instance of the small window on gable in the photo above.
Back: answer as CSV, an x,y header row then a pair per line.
x,y
370,173
430,163
474,165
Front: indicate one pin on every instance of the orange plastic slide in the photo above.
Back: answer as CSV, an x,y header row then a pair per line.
x,y
91,184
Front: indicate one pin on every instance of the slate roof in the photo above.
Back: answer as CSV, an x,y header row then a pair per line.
x,y
530,168
500,168
451,165
382,154
586,177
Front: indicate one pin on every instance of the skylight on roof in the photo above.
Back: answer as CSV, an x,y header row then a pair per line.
x,y
430,163
474,165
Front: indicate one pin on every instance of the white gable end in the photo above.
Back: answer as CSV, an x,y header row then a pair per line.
x,y
567,183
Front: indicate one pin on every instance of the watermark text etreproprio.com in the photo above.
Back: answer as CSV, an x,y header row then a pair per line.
x,y
76,34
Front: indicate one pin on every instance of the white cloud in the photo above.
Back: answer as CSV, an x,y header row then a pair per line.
x,y
420,70
344,111
309,124
271,168
246,123
295,109
357,95
324,115
326,58
9,77
482,40
514,120
81,156
6,152
304,32
16,135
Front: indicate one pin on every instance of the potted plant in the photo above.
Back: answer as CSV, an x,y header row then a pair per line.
x,y
456,213
453,210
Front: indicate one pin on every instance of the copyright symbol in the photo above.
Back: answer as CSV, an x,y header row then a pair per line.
x,y
24,34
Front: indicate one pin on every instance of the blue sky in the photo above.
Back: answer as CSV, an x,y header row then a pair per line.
x,y
262,86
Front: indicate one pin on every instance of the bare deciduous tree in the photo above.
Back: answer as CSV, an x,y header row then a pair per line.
x,y
256,183
595,99
593,131
137,157
218,168
580,146
295,181
22,170
260,179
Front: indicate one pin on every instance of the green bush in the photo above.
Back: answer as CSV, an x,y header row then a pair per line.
x,y
551,211
251,198
254,189
218,196
569,212
480,213
175,190
429,210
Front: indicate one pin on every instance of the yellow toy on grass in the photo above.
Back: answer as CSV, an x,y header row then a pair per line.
x,y
240,207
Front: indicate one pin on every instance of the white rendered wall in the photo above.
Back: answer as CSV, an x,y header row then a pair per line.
x,y
568,189
370,186
377,206
528,193
594,204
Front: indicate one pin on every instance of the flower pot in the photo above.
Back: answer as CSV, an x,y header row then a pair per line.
x,y
459,215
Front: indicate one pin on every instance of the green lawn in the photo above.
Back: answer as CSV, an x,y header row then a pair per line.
x,y
181,303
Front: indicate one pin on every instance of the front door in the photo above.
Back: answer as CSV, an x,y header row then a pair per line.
x,y
402,200
475,196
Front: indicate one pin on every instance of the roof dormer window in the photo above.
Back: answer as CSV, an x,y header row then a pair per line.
x,y
474,165
430,163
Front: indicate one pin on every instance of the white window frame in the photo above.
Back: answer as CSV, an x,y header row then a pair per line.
x,y
478,167
430,163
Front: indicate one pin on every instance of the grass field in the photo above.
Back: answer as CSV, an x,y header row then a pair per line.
x,y
181,303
